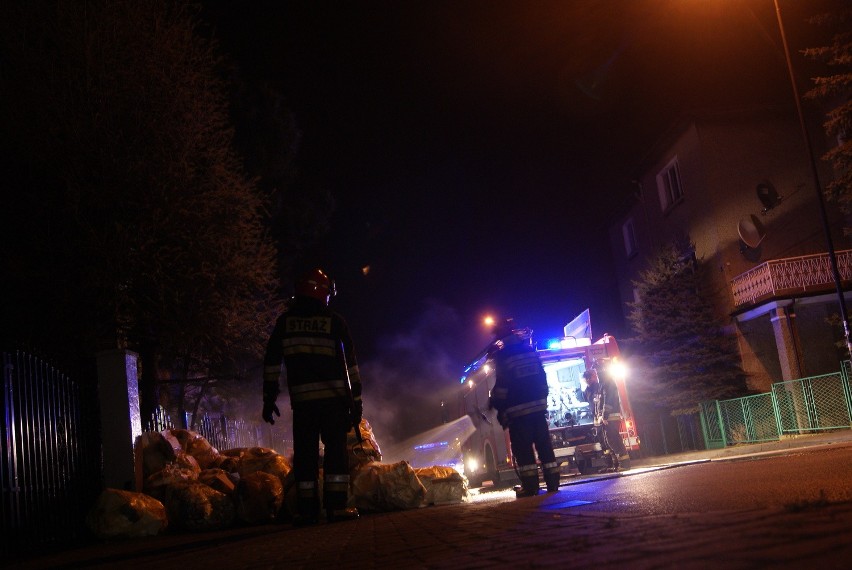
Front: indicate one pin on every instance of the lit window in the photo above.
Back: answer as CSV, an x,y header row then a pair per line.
x,y
668,186
628,232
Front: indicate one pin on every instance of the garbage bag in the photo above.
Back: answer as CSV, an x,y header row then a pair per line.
x,y
444,485
126,514
156,450
156,484
198,447
194,506
258,497
229,459
366,451
256,459
219,479
386,487
186,461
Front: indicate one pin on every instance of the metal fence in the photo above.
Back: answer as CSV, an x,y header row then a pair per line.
x,y
51,468
813,404
50,472
817,403
663,434
712,425
224,433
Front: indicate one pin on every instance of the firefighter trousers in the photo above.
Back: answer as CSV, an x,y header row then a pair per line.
x,y
612,437
325,420
529,435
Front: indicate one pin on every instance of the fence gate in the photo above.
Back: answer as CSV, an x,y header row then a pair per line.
x,y
711,425
50,470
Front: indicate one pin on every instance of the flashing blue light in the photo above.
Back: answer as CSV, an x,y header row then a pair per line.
x,y
554,344
432,445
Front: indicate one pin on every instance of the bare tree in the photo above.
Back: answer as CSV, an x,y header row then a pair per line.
x,y
145,229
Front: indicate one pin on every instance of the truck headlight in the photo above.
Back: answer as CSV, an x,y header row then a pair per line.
x,y
472,465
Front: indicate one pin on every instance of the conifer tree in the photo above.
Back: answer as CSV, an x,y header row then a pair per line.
x,y
836,90
689,357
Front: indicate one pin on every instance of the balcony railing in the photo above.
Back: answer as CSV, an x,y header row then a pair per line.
x,y
790,276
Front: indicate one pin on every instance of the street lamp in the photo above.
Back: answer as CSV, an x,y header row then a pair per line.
x,y
820,198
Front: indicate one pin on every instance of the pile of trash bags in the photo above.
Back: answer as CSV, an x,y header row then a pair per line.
x,y
187,484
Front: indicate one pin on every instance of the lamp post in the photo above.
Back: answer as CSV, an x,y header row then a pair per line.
x,y
815,174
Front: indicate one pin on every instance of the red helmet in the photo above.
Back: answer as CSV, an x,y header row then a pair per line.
x,y
315,283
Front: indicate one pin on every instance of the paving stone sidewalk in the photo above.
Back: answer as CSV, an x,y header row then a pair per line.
x,y
533,533
539,532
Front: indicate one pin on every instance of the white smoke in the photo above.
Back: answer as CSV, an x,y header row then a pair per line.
x,y
415,371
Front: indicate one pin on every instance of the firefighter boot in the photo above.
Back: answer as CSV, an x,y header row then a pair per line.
x,y
528,487
552,482
335,498
307,504
529,481
526,490
551,476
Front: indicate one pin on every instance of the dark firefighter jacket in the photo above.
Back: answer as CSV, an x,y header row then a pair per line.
x,y
609,395
520,387
308,337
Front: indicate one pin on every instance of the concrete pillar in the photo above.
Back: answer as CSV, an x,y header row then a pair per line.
x,y
118,393
787,343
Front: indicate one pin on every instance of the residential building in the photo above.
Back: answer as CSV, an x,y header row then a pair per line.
x,y
741,186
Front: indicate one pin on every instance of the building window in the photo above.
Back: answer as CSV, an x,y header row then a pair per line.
x,y
669,187
628,232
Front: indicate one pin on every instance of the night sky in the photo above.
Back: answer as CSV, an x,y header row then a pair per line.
x,y
478,149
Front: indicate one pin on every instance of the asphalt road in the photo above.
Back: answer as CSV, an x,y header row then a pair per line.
x,y
793,477
800,477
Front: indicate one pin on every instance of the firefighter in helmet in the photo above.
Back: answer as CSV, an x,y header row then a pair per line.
x,y
324,384
602,395
520,398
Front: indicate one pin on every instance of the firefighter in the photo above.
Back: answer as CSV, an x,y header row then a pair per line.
x,y
520,398
324,384
607,408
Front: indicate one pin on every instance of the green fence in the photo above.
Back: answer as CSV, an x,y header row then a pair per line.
x,y
806,405
813,404
750,419
711,425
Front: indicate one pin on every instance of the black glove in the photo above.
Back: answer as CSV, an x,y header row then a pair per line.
x,y
268,409
356,413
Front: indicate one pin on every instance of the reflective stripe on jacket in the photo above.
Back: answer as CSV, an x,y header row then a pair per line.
x,y
313,343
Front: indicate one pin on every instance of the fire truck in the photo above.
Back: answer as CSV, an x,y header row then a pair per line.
x,y
574,430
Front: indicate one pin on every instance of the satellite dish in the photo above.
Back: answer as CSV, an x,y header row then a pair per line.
x,y
751,231
767,195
